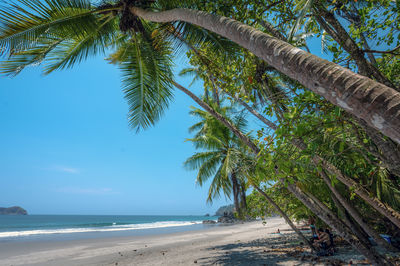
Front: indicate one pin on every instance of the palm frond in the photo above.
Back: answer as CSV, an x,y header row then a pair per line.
x,y
27,23
190,72
208,169
77,49
195,161
60,46
146,70
208,142
219,184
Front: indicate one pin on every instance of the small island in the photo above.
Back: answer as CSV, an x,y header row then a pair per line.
x,y
16,210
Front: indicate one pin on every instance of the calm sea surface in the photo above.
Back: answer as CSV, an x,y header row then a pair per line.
x,y
62,227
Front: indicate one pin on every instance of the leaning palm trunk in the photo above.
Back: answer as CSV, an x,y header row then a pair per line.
x,y
355,229
369,100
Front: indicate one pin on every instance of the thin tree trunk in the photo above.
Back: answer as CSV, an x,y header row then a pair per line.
x,y
372,101
353,212
363,193
340,35
333,222
283,214
246,140
347,220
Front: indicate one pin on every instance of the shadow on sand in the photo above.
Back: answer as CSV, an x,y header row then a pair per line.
x,y
277,249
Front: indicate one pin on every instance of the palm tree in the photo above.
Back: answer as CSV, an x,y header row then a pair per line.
x,y
33,31
220,159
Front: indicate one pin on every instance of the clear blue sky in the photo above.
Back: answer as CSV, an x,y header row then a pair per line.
x,y
66,148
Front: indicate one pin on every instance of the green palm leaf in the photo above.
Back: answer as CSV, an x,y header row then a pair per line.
x,y
219,184
146,75
61,45
25,24
195,161
75,50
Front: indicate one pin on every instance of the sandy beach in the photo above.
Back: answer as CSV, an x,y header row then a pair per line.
x,y
240,244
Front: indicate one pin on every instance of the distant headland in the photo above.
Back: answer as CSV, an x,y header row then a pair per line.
x,y
13,211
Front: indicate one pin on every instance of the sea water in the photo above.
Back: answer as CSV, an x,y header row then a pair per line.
x,y
61,227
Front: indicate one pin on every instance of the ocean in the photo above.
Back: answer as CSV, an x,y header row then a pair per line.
x,y
65,227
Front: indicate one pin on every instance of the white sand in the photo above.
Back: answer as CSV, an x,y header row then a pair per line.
x,y
241,244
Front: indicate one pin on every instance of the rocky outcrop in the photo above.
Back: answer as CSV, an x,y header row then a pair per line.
x,y
13,211
227,218
209,222
225,209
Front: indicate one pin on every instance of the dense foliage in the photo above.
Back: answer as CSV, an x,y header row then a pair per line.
x,y
309,156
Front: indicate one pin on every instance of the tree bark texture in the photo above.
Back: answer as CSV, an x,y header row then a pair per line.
x,y
347,220
353,212
367,99
374,257
243,201
235,189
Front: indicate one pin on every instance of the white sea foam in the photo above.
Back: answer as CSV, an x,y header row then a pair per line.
x,y
112,228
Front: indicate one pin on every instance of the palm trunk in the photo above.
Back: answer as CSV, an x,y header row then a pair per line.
x,y
346,220
243,201
382,208
369,100
235,189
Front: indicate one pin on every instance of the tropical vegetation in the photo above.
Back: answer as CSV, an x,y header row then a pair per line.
x,y
326,134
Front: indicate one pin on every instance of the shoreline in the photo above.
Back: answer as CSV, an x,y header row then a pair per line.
x,y
250,243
